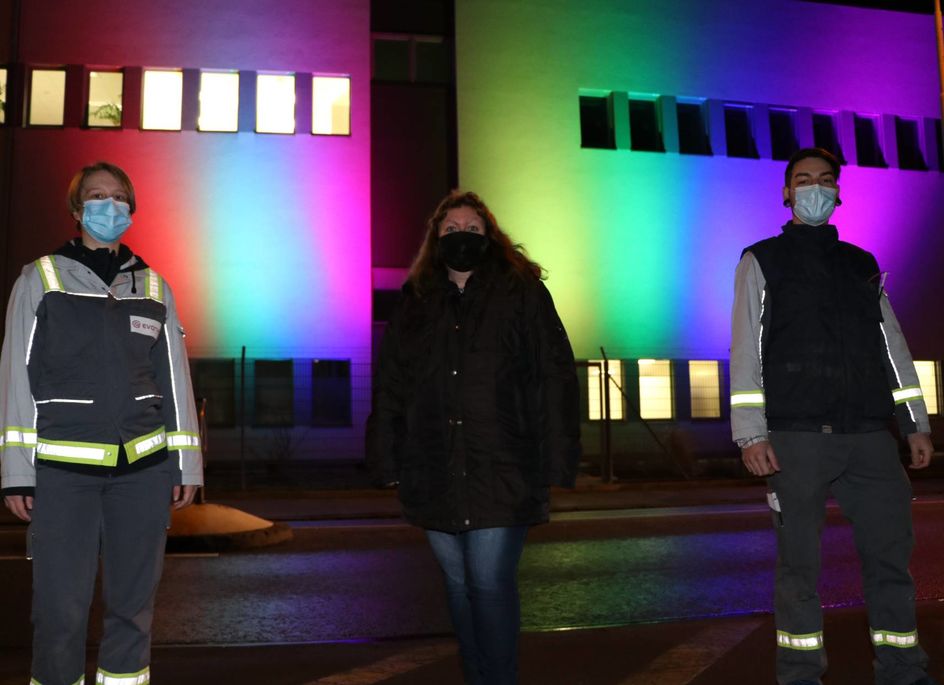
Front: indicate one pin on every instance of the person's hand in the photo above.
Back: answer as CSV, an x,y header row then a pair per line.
x,y
760,459
20,505
921,450
183,496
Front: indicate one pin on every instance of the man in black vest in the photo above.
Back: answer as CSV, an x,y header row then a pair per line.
x,y
819,366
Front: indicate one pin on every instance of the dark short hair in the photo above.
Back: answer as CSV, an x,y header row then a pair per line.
x,y
806,153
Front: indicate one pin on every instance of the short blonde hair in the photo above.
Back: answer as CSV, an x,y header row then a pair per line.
x,y
74,196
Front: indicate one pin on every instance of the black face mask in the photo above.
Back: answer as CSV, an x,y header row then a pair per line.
x,y
463,250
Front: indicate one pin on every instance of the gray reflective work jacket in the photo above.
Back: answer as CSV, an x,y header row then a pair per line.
x,y
86,367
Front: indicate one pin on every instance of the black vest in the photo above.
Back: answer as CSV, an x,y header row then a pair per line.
x,y
823,351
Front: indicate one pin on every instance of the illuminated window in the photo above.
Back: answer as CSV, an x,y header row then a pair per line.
x,y
704,379
595,389
163,100
104,100
275,103
655,389
47,97
219,101
3,96
928,377
331,105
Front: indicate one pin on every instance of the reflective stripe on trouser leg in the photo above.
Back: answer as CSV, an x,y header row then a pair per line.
x,y
891,638
804,643
135,515
142,677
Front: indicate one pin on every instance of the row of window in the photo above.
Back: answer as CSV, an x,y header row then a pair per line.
x,y
284,393
658,379
164,98
699,126
276,392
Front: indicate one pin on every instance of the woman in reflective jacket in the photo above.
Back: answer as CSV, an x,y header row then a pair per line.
x,y
475,415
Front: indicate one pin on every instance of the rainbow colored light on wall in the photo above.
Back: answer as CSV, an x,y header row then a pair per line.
x,y
641,247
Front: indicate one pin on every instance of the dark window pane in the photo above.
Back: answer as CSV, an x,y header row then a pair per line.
x,y
783,139
384,303
432,62
644,133
868,150
739,131
910,155
330,392
215,379
274,393
693,134
939,143
825,135
596,129
391,60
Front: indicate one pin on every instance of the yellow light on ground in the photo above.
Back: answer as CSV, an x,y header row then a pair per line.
x,y
595,389
704,380
163,100
331,105
275,103
655,389
104,100
219,101
928,377
47,97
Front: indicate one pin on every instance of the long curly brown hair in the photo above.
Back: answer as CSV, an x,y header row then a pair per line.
x,y
503,255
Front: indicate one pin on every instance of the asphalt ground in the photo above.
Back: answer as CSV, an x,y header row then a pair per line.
x,y
709,651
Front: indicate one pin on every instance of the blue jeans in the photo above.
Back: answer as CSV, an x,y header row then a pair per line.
x,y
480,568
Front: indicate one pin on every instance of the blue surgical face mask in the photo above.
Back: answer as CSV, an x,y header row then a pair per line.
x,y
106,220
814,204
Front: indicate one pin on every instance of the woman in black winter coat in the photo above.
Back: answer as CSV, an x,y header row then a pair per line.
x,y
475,415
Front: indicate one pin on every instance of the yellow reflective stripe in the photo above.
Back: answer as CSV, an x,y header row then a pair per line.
x,y
153,285
754,398
142,677
78,452
890,638
804,643
146,444
182,440
49,273
18,436
909,392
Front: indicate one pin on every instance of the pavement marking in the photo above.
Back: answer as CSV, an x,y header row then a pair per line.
x,y
395,665
683,663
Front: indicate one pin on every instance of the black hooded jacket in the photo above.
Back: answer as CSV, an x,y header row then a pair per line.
x,y
476,408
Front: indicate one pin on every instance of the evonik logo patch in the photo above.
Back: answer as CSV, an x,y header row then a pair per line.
x,y
145,326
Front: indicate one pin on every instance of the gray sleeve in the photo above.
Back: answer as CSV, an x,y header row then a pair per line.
x,y
748,420
910,409
18,435
180,414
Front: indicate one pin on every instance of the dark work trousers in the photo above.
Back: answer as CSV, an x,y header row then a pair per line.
x,y
76,517
863,472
